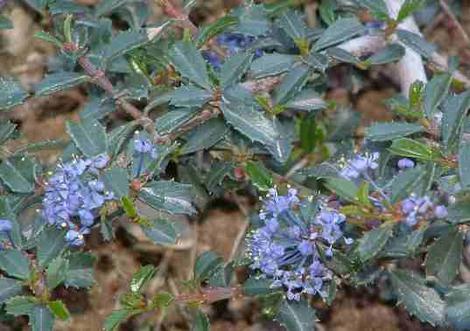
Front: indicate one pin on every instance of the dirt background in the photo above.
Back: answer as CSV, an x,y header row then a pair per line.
x,y
41,119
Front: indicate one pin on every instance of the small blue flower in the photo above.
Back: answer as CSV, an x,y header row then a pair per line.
x,y
405,163
415,208
440,211
142,145
360,165
5,226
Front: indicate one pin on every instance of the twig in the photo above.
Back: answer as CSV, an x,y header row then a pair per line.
x,y
454,19
241,233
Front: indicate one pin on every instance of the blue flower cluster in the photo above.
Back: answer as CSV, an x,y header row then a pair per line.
x,y
74,195
415,208
232,43
286,248
5,228
360,165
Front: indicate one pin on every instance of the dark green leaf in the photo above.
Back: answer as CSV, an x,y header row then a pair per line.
x,y
393,130
458,306
115,318
416,42
11,93
407,182
200,322
56,272
373,241
293,25
296,316
341,55
205,136
444,256
18,174
6,130
464,164
173,119
190,96
161,232
89,136
342,187
408,7
341,30
190,63
391,53
41,319
271,65
435,92
377,7
123,43
5,23
116,180
80,271
9,288
50,244
459,212
454,110
420,300
48,38
291,84
206,265
59,81
307,100
168,196
142,277
412,148
318,61
20,305
14,263
257,286
234,68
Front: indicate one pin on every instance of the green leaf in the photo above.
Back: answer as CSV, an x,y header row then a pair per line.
x,y
162,300
215,28
444,257
253,21
201,322
123,43
407,182
259,175
41,319
307,100
291,84
296,316
47,37
118,137
142,277
59,310
7,128
416,43
412,148
257,286
458,306
391,53
341,30
18,174
393,130
15,264
206,265
377,7
250,122
173,119
318,61
89,136
116,180
342,55
435,92
190,96
168,196
271,64
408,7
56,272
190,64
20,305
373,241
50,244
454,111
9,288
205,136
59,81
293,25
459,212
11,93
161,232
464,164
342,187
80,271
234,67
115,318
420,300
